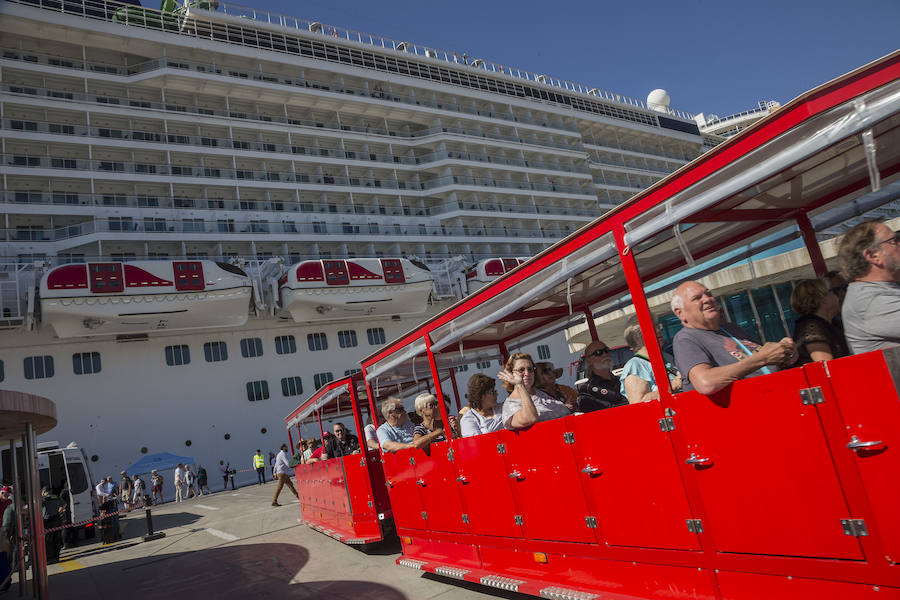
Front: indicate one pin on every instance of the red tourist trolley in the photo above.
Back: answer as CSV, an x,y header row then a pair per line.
x,y
780,486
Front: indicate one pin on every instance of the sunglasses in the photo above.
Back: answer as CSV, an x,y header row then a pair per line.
x,y
891,240
524,370
600,352
397,409
432,405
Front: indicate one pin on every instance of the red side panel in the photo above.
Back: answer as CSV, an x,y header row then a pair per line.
x,y
750,586
393,270
400,477
873,416
358,272
636,495
188,276
68,277
137,277
436,478
509,264
767,462
310,271
336,272
493,267
106,278
481,473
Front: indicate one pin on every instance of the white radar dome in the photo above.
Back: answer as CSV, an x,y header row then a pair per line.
x,y
658,100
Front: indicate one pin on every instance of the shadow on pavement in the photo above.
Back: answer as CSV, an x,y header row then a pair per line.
x,y
251,571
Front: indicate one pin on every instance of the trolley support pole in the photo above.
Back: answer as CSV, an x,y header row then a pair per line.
x,y
812,245
592,327
455,389
438,392
503,352
17,504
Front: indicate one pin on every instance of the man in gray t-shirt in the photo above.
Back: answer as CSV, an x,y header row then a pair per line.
x,y
711,354
869,254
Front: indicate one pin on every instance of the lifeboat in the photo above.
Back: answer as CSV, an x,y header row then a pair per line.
x,y
314,290
105,298
485,271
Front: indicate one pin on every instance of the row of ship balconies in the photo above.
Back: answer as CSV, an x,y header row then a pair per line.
x,y
225,229
369,90
143,201
370,184
278,121
205,143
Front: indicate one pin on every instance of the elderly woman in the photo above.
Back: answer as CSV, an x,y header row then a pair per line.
x,y
427,407
526,404
545,377
638,382
815,334
484,414
396,433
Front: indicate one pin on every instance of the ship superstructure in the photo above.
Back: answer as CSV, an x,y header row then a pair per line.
x,y
247,142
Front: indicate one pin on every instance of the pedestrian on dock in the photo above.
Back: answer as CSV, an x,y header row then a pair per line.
x,y
259,463
137,485
224,468
283,472
272,464
201,481
156,481
125,489
179,482
189,481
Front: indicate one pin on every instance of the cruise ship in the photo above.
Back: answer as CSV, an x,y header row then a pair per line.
x,y
211,210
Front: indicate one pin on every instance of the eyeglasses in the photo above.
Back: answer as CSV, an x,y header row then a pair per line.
x,y
891,240
600,352
397,409
432,405
524,370
547,370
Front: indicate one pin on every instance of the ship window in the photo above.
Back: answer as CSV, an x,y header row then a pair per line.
x,y
321,379
38,367
2,371
291,386
86,363
251,347
347,338
483,364
543,352
285,344
106,277
178,355
317,341
462,368
352,372
215,351
188,274
257,390
375,335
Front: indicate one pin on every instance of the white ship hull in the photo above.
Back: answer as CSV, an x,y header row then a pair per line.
x,y
315,304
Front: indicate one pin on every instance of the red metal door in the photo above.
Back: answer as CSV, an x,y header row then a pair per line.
x,y
400,477
869,417
541,471
630,473
356,477
484,486
436,478
764,470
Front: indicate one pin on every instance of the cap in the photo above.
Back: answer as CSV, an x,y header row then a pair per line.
x,y
6,489
557,373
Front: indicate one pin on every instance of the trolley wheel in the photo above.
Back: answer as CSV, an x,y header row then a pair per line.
x,y
90,532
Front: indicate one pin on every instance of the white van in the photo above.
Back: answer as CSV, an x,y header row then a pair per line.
x,y
57,465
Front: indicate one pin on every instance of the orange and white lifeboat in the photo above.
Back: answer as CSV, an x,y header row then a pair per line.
x,y
485,271
314,290
111,298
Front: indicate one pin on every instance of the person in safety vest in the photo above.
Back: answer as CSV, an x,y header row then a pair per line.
x,y
259,463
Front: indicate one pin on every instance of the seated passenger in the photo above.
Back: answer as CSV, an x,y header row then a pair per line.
x,y
484,414
869,255
526,405
342,443
545,378
638,382
316,450
397,432
427,408
371,435
601,390
816,335
713,354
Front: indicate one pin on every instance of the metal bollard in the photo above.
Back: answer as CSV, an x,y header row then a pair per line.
x,y
150,534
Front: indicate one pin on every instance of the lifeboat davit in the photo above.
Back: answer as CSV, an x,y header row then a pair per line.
x,y
314,290
485,271
104,298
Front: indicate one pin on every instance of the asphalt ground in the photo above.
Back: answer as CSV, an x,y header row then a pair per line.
x,y
234,544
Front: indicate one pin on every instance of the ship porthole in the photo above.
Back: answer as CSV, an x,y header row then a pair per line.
x,y
143,449
263,430
95,458
227,436
187,443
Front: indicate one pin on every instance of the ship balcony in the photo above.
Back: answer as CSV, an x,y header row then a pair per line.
x,y
276,122
210,145
169,66
638,150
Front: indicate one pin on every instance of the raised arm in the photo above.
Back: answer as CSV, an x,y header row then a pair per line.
x,y
527,415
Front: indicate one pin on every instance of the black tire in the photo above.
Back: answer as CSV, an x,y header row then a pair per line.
x,y
89,532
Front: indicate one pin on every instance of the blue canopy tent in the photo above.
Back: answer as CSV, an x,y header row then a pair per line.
x,y
160,461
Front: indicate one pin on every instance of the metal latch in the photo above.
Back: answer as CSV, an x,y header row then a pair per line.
x,y
465,518
501,448
667,424
412,460
362,462
812,395
519,520
450,455
569,437
591,522
694,525
424,515
854,527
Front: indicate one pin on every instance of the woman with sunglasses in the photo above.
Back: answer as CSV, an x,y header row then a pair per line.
x,y
397,432
427,407
526,405
601,390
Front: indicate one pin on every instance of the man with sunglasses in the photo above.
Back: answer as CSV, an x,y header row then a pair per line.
x,y
342,443
396,433
869,255
601,390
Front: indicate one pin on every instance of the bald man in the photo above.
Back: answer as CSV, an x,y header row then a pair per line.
x,y
713,354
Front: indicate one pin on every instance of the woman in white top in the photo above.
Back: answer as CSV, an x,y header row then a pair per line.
x,y
179,481
484,414
526,404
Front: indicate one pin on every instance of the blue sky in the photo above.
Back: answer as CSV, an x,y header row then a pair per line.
x,y
711,56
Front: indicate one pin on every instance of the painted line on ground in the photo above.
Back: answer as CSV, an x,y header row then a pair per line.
x,y
207,507
70,565
221,534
